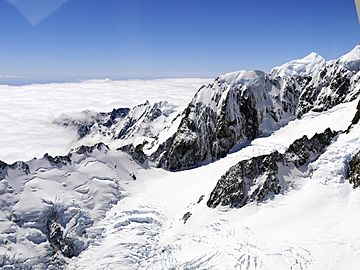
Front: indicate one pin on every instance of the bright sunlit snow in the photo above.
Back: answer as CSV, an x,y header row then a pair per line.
x,y
296,231
103,207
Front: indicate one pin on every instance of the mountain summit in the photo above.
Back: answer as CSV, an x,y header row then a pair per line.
x,y
240,106
300,67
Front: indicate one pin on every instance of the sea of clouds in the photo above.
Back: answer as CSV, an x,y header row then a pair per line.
x,y
27,112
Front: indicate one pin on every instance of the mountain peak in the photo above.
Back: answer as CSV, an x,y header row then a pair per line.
x,y
311,57
353,55
301,67
242,76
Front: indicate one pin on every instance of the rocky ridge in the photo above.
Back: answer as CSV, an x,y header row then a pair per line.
x,y
262,177
131,126
241,106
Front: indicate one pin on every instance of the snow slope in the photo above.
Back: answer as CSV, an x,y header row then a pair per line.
x,y
53,204
98,208
145,230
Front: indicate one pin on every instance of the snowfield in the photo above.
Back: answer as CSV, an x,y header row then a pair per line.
x,y
145,230
98,206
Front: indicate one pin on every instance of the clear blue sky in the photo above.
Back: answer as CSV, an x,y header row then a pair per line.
x,y
171,38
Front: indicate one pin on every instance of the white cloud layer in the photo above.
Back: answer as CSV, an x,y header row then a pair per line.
x,y
27,112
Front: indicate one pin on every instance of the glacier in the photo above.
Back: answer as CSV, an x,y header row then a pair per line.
x,y
101,187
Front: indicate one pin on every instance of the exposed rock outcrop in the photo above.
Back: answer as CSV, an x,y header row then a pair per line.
x,y
19,167
237,107
262,177
240,106
88,122
145,120
354,171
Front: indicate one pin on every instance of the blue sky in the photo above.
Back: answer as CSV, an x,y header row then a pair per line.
x,y
171,38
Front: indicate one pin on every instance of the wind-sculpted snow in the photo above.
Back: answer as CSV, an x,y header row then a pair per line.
x,y
50,205
241,106
262,177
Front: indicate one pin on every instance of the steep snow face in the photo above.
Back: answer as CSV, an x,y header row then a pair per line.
x,y
336,82
50,206
235,108
351,60
300,67
240,106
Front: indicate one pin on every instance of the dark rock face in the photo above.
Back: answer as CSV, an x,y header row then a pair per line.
x,y
59,241
333,77
356,118
224,114
239,107
92,120
186,216
19,166
67,242
234,187
304,151
135,152
58,160
262,177
84,149
123,123
354,171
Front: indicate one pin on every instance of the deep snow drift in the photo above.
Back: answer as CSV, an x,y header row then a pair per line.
x,y
99,207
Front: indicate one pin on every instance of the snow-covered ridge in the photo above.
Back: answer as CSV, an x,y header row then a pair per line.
x,y
97,208
294,230
263,177
300,67
351,60
235,108
122,126
239,106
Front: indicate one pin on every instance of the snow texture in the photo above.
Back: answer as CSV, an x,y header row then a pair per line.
x,y
96,207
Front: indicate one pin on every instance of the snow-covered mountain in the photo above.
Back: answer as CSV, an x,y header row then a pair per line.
x,y
300,67
278,189
139,125
241,106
